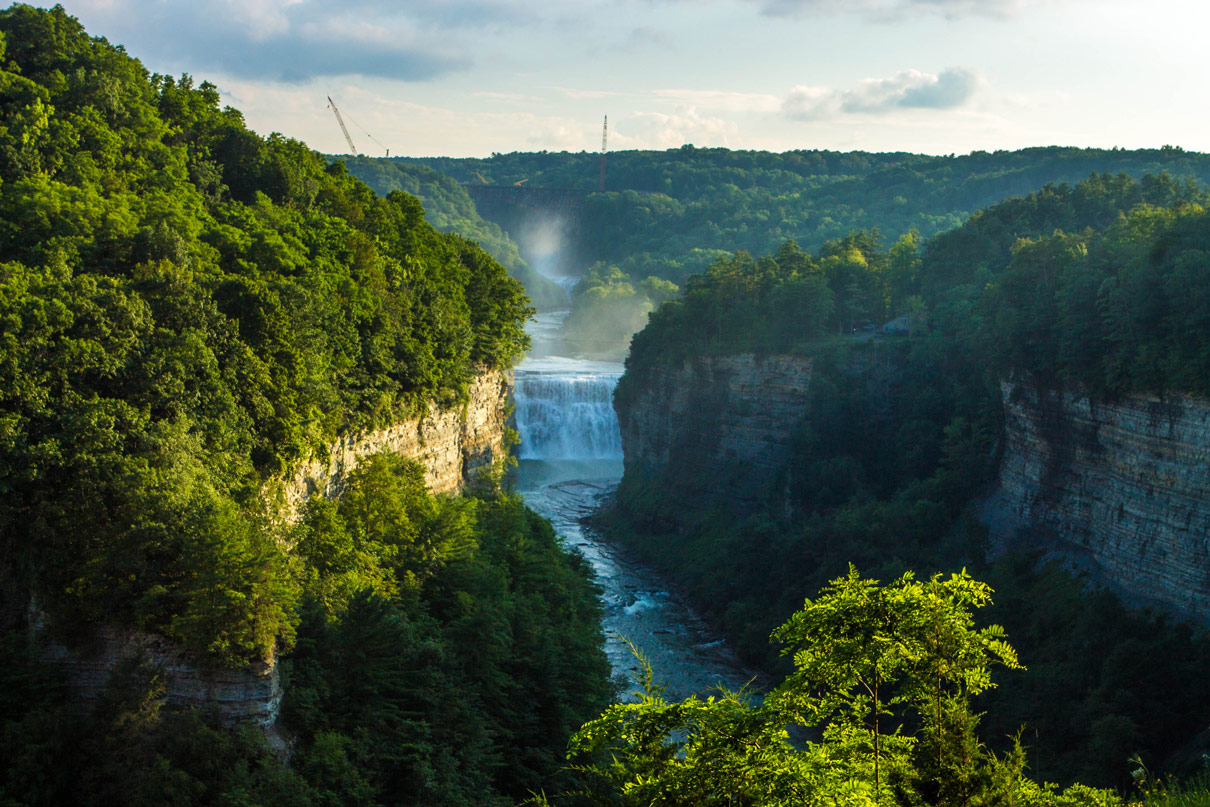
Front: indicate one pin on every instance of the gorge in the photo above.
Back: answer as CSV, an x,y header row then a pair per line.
x,y
715,432
1118,488
452,443
570,461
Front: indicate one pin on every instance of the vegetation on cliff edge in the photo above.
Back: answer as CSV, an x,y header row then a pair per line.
x,y
1098,284
185,309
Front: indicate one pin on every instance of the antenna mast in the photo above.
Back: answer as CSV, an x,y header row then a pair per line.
x,y
604,138
343,128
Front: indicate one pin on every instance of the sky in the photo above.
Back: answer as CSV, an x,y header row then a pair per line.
x,y
467,78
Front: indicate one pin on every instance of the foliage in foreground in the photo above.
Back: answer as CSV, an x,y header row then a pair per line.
x,y
879,700
448,648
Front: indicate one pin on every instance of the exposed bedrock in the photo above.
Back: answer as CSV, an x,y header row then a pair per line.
x,y
715,431
453,444
1122,488
1119,488
251,694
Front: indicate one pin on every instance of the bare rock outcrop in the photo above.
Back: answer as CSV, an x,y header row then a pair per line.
x,y
1121,488
715,431
451,443
251,694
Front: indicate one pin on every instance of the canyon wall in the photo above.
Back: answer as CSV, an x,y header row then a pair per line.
x,y
453,444
251,694
1120,488
715,431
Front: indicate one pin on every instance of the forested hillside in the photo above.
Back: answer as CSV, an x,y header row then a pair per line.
x,y
666,213
450,210
187,309
1099,284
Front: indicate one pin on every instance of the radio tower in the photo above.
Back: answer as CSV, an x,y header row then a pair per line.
x,y
604,136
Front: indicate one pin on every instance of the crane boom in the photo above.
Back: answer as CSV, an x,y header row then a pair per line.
x,y
343,128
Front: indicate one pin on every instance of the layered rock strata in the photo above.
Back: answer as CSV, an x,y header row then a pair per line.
x,y
1122,488
716,430
251,694
451,443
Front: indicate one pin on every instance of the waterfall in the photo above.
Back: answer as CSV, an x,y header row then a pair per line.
x,y
565,410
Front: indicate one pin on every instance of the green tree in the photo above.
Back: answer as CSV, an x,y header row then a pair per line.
x,y
883,677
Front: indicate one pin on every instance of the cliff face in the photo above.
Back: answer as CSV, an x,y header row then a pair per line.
x,y
1121,488
716,430
252,694
452,444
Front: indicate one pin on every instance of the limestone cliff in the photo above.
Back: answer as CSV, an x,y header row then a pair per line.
x,y
451,443
1121,487
714,431
251,694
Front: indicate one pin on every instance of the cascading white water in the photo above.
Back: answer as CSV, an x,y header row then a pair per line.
x,y
571,457
565,410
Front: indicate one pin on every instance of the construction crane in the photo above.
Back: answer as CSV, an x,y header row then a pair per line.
x,y
481,179
522,182
344,129
604,137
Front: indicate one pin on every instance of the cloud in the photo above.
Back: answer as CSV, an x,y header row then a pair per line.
x,y
292,40
670,130
894,9
722,100
909,89
951,88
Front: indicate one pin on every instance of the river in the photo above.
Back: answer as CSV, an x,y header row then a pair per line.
x,y
571,459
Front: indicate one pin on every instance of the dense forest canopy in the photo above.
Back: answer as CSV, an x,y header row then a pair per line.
x,y
187,310
1101,284
667,213
449,208
188,307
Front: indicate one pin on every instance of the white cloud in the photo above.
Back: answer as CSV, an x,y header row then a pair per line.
x,y
909,89
722,100
670,130
895,9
